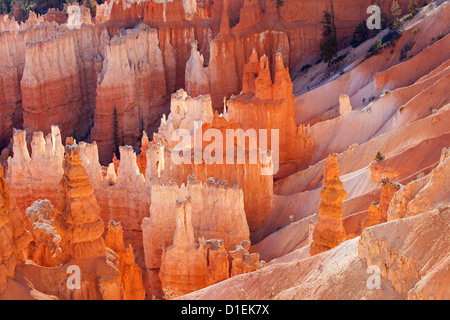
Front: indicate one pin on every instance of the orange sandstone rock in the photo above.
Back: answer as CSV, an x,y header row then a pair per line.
x,y
13,236
388,189
269,105
141,159
130,273
429,192
218,265
372,218
243,261
78,215
183,264
329,231
139,96
217,213
44,249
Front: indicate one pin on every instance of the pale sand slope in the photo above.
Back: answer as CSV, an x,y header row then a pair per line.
x,y
408,124
412,253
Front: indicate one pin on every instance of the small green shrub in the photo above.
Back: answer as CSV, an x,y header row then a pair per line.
x,y
412,7
379,156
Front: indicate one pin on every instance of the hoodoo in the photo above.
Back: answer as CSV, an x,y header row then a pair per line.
x,y
224,149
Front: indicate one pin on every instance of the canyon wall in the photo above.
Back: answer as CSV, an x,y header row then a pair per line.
x,y
216,211
13,236
84,59
131,91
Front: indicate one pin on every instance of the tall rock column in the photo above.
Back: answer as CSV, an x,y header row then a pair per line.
x,y
13,236
183,265
78,219
131,92
218,264
329,231
130,273
388,189
196,77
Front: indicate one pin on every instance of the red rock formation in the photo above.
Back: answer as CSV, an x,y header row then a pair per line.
x,y
130,273
37,176
243,261
372,218
274,103
412,254
197,80
183,264
13,236
426,193
55,15
217,212
388,189
44,248
256,182
141,159
12,51
78,219
50,93
250,14
218,265
329,231
186,265
138,97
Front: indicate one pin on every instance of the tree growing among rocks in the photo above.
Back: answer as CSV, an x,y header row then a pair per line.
x,y
329,43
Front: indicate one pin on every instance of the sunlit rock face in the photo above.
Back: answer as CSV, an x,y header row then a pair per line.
x,y
130,273
78,215
352,178
216,211
329,231
13,235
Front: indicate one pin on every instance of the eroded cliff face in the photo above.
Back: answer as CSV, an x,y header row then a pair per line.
x,y
226,32
130,273
44,249
131,91
13,237
233,57
430,191
38,176
78,214
255,176
269,105
216,210
415,262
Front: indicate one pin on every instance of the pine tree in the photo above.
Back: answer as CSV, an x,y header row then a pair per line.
x,y
396,13
116,133
361,33
329,43
412,7
3,7
384,16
